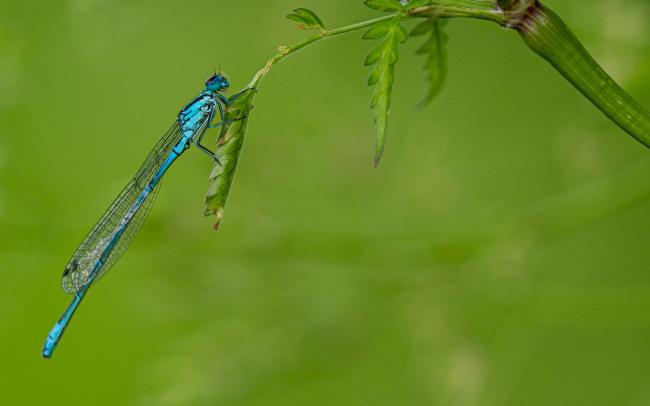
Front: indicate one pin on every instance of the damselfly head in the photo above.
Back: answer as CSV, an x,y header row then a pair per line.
x,y
217,82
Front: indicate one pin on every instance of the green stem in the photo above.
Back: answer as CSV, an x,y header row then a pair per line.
x,y
285,51
484,9
481,9
548,36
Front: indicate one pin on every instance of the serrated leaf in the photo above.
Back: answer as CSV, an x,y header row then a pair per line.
x,y
384,5
436,55
307,19
384,56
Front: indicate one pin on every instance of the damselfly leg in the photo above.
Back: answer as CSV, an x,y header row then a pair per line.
x,y
211,154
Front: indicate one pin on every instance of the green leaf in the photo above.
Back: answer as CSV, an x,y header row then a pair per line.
x,y
306,19
229,146
384,5
384,56
436,55
378,30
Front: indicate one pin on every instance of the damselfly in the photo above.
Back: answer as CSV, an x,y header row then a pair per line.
x,y
115,230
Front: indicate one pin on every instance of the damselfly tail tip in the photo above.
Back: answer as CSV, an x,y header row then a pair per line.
x,y
47,352
216,225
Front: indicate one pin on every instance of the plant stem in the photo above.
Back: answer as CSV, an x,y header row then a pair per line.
x,y
548,36
481,9
285,51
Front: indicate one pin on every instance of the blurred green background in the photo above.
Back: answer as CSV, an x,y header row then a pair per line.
x,y
498,256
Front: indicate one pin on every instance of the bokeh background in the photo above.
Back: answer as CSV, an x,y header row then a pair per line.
x,y
498,256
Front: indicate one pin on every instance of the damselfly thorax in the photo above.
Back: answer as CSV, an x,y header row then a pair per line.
x,y
195,114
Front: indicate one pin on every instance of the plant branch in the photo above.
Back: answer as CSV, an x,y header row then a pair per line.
x,y
541,29
481,9
285,51
231,136
548,36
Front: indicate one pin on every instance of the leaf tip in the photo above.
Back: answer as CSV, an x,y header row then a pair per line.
x,y
219,213
379,153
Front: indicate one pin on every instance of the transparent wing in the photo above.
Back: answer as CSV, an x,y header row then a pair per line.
x,y
81,264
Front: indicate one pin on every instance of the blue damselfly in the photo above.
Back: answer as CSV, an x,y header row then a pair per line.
x,y
115,230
